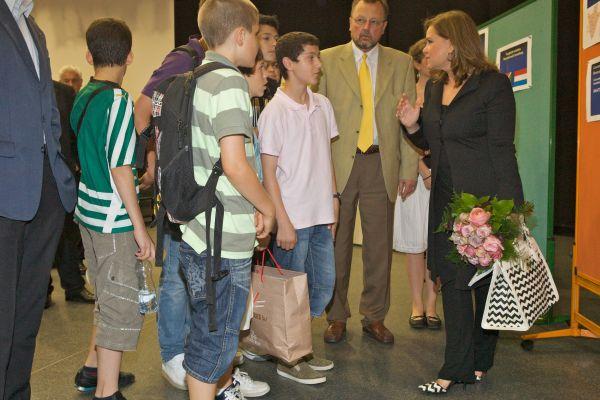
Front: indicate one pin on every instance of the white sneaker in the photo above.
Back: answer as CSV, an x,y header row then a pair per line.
x,y
248,386
174,372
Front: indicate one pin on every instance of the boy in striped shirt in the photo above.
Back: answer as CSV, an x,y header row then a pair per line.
x,y
222,128
114,235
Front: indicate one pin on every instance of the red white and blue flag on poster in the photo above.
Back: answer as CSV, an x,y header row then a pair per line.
x,y
514,60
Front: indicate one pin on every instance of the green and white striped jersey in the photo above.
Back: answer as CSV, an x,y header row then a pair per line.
x,y
106,140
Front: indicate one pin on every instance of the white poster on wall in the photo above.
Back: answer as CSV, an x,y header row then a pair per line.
x,y
484,38
591,22
592,90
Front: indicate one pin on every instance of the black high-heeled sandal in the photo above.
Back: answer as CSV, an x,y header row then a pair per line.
x,y
417,321
434,388
433,322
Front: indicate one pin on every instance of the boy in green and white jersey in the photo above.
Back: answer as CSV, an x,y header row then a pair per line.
x,y
112,228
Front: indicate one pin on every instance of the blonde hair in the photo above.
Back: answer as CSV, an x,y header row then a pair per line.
x,y
416,50
218,18
459,28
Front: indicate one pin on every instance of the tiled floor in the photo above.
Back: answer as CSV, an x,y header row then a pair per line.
x,y
556,369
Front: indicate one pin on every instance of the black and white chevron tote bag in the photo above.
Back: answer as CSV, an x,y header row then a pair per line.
x,y
521,290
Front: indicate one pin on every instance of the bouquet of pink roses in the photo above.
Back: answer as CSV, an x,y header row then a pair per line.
x,y
483,229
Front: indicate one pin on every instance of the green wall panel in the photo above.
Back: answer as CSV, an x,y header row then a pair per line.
x,y
535,108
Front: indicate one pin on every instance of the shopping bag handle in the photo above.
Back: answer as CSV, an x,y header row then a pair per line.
x,y
277,265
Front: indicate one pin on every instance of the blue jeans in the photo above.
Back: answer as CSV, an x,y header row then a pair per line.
x,y
208,355
312,254
173,304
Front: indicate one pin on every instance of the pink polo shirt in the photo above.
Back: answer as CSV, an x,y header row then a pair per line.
x,y
300,137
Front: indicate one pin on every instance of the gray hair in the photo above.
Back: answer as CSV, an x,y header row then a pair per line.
x,y
70,68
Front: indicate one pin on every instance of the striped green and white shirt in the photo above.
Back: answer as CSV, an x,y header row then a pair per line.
x,y
222,108
106,140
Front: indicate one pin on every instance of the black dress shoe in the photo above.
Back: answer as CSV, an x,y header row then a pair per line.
x,y
87,379
81,296
116,396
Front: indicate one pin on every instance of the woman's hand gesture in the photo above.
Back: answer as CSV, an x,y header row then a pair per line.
x,y
408,114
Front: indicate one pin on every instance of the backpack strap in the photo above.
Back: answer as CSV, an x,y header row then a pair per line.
x,y
96,92
189,50
213,262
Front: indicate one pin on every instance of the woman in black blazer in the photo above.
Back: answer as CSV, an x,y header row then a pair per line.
x,y
468,123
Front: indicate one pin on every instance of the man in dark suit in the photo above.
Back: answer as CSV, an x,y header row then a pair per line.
x,y
37,189
69,253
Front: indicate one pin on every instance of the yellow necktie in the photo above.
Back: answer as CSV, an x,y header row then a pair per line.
x,y
365,136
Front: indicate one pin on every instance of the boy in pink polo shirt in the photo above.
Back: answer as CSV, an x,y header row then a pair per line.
x,y
296,129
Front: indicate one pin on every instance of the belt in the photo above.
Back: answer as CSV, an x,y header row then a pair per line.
x,y
374,148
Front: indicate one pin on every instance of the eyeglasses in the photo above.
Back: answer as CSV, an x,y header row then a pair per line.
x,y
360,21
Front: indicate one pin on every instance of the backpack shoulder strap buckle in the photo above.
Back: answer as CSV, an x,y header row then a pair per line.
x,y
218,168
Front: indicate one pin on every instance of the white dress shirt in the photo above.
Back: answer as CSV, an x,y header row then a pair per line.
x,y
20,9
372,61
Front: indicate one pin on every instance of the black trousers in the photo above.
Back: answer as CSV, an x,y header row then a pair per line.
x,y
469,348
26,252
68,257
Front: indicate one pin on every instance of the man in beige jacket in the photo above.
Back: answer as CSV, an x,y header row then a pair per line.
x,y
372,160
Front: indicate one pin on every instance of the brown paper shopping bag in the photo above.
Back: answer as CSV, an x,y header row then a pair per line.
x,y
281,324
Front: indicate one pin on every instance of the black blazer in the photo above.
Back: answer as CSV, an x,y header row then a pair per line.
x,y
65,97
477,133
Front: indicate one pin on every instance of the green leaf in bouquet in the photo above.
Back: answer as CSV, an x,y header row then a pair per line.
x,y
509,252
447,221
502,208
454,257
496,225
469,201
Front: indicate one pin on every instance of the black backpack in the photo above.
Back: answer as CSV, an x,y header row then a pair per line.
x,y
181,198
147,134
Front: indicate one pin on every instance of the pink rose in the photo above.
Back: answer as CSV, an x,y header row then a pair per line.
x,y
485,260
496,255
492,244
484,231
455,238
473,260
480,252
467,230
470,251
478,216
475,240
464,218
457,226
461,249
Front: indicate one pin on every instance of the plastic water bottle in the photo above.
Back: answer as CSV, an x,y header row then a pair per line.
x,y
147,294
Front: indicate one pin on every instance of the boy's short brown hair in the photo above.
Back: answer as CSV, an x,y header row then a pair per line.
x,y
291,45
250,71
218,18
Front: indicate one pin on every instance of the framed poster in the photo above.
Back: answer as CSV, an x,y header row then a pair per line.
x,y
514,60
483,38
591,22
592,90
